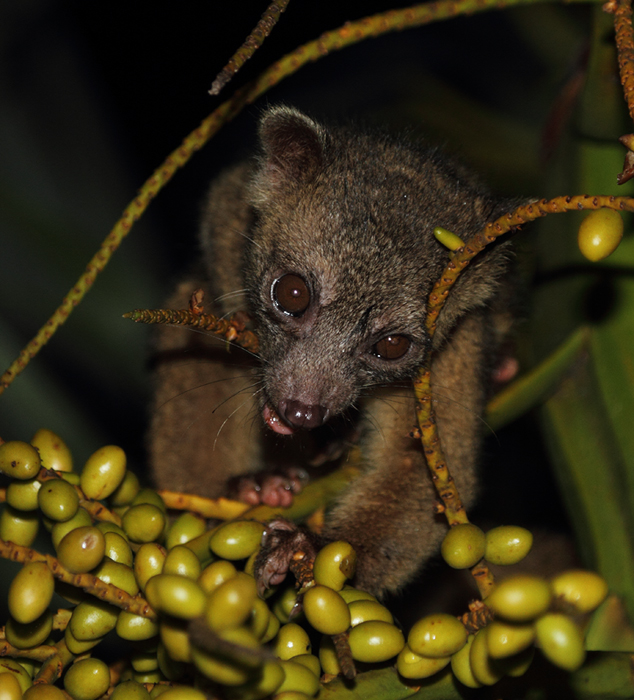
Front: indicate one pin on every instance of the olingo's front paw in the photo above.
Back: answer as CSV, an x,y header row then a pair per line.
x,y
282,543
275,489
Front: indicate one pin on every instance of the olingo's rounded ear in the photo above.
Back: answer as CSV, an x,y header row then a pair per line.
x,y
293,145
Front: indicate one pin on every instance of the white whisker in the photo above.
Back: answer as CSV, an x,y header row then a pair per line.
x,y
225,421
209,334
201,386
237,393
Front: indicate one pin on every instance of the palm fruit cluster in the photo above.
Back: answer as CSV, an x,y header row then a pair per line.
x,y
528,611
198,584
184,598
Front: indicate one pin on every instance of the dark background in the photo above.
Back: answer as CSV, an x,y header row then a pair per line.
x,y
94,95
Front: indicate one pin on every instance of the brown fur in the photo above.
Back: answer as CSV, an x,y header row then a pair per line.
x,y
352,213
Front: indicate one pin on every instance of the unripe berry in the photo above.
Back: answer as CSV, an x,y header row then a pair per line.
x,y
600,234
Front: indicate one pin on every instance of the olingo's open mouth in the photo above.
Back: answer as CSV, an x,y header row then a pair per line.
x,y
275,423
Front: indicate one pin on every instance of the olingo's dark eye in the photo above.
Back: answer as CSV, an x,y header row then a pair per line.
x,y
290,294
392,347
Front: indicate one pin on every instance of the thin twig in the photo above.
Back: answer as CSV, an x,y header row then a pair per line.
x,y
624,39
252,43
232,329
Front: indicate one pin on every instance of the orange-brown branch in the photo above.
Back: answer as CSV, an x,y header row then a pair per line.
x,y
232,329
624,38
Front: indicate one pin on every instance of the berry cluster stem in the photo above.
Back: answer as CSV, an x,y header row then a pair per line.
x,y
87,582
41,653
217,508
54,666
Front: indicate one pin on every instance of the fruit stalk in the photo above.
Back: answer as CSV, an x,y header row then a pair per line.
x,y
217,508
53,667
87,582
41,653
